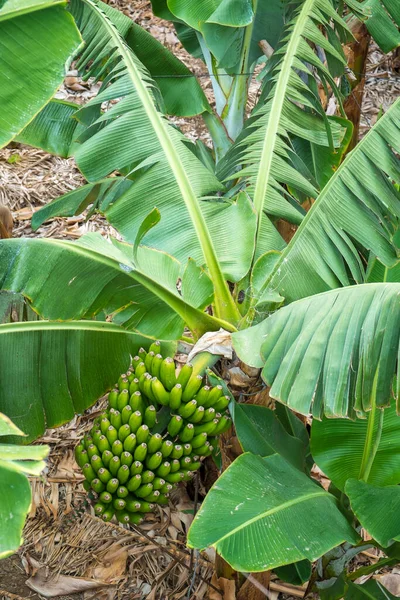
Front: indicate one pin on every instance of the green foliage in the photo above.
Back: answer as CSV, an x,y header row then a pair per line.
x,y
16,462
36,38
202,250
268,501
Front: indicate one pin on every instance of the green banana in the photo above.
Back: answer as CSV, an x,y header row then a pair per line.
x,y
185,374
192,387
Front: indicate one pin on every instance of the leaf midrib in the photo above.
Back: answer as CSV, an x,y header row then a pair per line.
x,y
272,511
313,213
223,297
271,136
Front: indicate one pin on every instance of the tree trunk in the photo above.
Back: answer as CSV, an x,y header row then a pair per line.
x,y
356,54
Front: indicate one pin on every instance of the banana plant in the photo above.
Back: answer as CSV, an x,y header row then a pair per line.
x,y
202,250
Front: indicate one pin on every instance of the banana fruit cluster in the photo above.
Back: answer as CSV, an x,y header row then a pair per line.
x,y
156,430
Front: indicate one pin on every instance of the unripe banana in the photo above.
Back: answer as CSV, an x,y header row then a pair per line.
x,y
142,353
105,497
135,361
202,395
136,468
175,477
175,425
99,508
159,392
140,452
104,475
113,398
88,472
135,421
97,485
150,416
126,414
112,485
119,504
175,397
117,448
130,443
155,443
136,402
207,428
156,365
187,410
144,490
111,435
96,462
198,440
155,347
134,386
185,374
140,370
154,461
123,432
123,516
187,433
148,361
164,469
142,434
114,465
209,414
106,457
166,448
122,491
224,424
215,394
123,474
104,424
222,403
124,461
91,450
132,504
148,477
123,399
177,452
198,415
107,515
115,418
134,483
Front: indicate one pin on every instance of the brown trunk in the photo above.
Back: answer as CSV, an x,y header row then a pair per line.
x,y
356,54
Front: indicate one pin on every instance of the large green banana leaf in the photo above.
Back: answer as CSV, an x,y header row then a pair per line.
x,y
52,370
54,129
343,448
133,134
382,19
259,431
223,23
36,39
377,509
65,280
257,516
181,92
355,210
263,152
333,353
15,498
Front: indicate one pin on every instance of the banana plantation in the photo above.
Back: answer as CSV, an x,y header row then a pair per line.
x,y
199,300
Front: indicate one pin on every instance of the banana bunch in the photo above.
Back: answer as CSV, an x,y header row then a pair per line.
x,y
155,432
